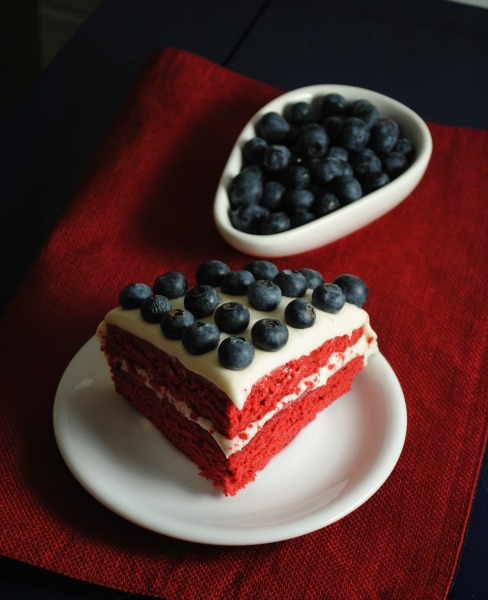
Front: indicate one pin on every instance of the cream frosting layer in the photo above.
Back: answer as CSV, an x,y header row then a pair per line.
x,y
237,384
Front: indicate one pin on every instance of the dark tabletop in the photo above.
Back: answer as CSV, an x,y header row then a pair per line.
x,y
429,54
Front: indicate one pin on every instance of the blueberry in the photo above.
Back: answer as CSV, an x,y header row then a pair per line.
x,y
333,126
253,150
276,158
291,283
328,297
172,284
174,322
325,204
354,288
211,272
347,188
365,110
272,127
297,176
269,334
405,146
132,295
300,314
249,218
301,217
338,152
295,200
384,135
299,113
200,337
394,164
333,104
275,223
313,277
374,181
328,168
237,282
312,141
264,295
154,307
262,269
246,187
366,162
236,353
232,317
354,134
201,300
272,194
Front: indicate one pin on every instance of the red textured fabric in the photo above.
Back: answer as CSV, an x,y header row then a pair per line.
x,y
145,207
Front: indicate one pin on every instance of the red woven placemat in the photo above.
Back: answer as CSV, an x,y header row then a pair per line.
x,y
145,207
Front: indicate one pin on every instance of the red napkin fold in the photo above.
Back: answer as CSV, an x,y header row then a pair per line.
x,y
144,207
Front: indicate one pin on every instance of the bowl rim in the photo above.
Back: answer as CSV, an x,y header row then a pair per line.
x,y
370,207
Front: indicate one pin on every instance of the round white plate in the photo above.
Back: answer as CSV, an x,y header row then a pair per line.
x,y
326,472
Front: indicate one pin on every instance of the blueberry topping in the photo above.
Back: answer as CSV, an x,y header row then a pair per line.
x,y
236,353
132,295
313,277
211,273
232,317
264,295
201,300
172,285
154,307
328,297
292,283
262,269
354,288
174,322
200,337
237,282
269,334
300,314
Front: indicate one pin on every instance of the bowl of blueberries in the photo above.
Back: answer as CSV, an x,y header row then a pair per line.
x,y
316,164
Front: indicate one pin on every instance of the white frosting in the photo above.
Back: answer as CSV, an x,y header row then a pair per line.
x,y
238,384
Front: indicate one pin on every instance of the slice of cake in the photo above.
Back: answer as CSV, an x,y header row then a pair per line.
x,y
232,369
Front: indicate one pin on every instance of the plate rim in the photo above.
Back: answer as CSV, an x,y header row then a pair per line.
x,y
391,449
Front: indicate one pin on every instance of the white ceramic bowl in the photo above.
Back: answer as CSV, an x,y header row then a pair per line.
x,y
345,220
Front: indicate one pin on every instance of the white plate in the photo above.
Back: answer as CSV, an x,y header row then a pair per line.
x,y
326,472
345,220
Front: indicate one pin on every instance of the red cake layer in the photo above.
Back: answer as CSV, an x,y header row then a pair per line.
x,y
203,397
235,472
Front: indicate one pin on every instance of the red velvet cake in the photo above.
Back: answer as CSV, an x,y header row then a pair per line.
x,y
232,369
